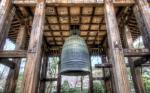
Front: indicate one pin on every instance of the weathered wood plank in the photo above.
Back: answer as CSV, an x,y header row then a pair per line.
x,y
116,51
106,73
100,78
136,77
127,65
12,77
127,53
32,68
142,14
132,52
13,54
43,73
59,79
6,16
104,65
8,63
74,2
49,79
90,80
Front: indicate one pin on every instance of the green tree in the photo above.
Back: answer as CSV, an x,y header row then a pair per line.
x,y
65,87
98,87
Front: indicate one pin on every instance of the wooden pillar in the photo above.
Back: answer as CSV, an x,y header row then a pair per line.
x,y
111,72
135,71
116,51
43,73
91,79
142,13
11,82
106,73
6,15
32,68
59,79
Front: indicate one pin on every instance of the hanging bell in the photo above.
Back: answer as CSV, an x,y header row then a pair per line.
x,y
75,59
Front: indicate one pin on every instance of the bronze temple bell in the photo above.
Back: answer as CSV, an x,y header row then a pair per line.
x,y
75,60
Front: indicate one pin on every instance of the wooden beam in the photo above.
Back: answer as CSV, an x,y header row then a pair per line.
x,y
127,65
59,78
136,52
100,78
90,79
116,51
127,53
123,2
106,73
13,54
104,65
140,61
32,68
135,72
5,13
12,77
74,3
142,14
43,73
49,79
8,63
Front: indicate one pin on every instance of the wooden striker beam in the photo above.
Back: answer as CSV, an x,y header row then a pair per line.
x,y
32,68
116,51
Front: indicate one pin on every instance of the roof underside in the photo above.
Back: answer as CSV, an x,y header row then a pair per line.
x,y
59,18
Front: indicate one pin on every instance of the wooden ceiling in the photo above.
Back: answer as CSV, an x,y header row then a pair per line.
x,y
59,18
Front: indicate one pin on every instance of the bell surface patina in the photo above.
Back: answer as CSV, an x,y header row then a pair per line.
x,y
75,59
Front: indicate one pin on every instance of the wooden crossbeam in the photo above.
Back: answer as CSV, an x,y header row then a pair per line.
x,y
136,52
104,65
55,79
22,53
73,2
109,65
140,61
8,63
49,79
101,78
13,54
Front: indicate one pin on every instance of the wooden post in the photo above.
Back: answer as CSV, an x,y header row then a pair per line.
x,y
59,79
43,73
111,72
106,72
11,82
135,71
91,79
5,9
142,13
32,68
116,51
